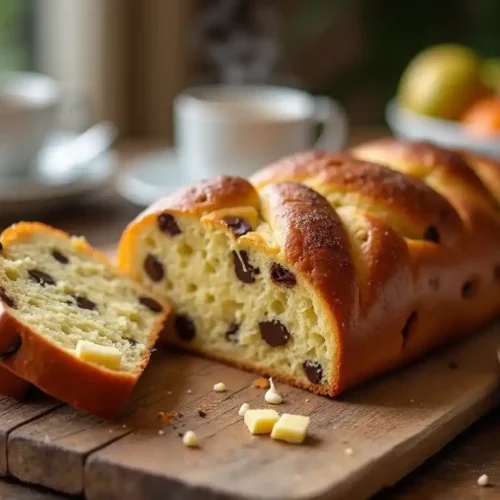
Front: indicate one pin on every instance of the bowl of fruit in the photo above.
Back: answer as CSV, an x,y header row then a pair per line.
x,y
449,95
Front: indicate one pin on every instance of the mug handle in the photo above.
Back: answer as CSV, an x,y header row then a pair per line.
x,y
331,115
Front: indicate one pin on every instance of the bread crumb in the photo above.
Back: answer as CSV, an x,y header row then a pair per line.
x,y
204,405
189,439
161,432
483,480
111,431
243,409
124,426
201,413
260,383
348,451
167,418
169,393
307,400
189,391
46,438
412,400
220,387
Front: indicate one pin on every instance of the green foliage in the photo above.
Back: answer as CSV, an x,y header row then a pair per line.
x,y
15,50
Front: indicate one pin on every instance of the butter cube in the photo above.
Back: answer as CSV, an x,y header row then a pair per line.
x,y
260,421
291,428
107,356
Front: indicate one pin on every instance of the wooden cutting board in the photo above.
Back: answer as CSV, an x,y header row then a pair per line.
x,y
392,425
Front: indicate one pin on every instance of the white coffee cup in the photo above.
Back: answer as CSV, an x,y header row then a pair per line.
x,y
29,104
236,130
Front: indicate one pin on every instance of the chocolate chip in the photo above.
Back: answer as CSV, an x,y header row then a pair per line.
x,y
154,268
242,267
41,277
5,298
238,225
85,303
180,434
132,342
431,234
232,333
12,348
469,289
185,327
408,325
282,276
151,304
274,333
313,370
60,257
168,225
452,365
202,414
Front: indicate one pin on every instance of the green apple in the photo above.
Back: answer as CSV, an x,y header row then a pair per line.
x,y
441,81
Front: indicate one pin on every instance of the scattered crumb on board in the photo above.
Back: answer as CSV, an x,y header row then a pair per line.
x,y
261,383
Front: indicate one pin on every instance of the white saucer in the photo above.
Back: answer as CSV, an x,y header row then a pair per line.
x,y
152,176
43,188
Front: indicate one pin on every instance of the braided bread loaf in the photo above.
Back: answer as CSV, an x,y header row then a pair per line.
x,y
327,269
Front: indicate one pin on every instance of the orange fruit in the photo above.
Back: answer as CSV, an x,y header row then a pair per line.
x,y
483,117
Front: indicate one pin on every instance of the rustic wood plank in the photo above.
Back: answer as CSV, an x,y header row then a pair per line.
x,y
392,424
51,450
10,490
453,473
13,414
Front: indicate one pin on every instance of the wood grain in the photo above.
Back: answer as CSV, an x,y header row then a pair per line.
x,y
392,424
14,414
10,490
51,450
453,473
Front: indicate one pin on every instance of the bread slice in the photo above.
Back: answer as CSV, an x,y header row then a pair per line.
x,y
69,322
322,290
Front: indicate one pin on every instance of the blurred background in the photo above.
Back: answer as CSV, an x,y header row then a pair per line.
x,y
131,58
125,61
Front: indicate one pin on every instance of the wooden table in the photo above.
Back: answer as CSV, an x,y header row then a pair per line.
x,y
451,474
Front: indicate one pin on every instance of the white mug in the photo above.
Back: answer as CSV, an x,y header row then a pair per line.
x,y
221,129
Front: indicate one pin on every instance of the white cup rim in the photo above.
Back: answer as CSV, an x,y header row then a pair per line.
x,y
34,90
191,102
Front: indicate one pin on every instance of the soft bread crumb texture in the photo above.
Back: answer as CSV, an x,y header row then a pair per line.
x,y
67,295
199,277
291,428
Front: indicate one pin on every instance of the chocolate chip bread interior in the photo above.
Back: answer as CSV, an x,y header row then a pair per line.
x,y
70,323
325,270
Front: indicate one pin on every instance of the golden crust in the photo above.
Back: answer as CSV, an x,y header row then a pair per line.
x,y
406,203
488,170
85,386
423,269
